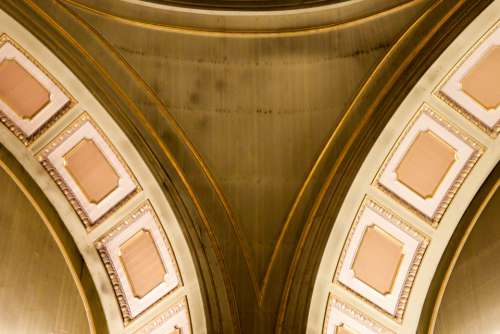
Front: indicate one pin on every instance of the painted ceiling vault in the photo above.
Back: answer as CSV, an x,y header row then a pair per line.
x,y
247,166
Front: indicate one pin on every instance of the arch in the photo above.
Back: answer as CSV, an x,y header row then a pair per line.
x,y
380,194
136,197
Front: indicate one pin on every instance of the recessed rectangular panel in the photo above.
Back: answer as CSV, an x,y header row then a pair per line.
x,y
29,96
473,86
425,164
88,169
378,259
482,82
91,170
20,90
142,263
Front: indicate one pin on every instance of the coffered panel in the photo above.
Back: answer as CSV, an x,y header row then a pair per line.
x,y
29,96
139,261
472,87
343,319
380,258
428,164
89,171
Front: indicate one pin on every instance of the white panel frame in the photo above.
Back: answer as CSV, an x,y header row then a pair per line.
x,y
176,316
143,218
58,99
52,157
338,314
414,245
452,88
467,151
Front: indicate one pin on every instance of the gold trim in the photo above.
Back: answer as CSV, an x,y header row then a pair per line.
x,y
236,33
66,190
492,132
431,133
478,150
423,242
28,140
116,282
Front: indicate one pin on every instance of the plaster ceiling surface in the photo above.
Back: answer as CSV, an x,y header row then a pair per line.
x,y
258,108
35,281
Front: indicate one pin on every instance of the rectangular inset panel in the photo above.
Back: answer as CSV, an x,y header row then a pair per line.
x,y
472,87
175,321
89,171
378,259
425,164
29,97
21,91
381,258
342,319
142,263
428,164
139,261
482,81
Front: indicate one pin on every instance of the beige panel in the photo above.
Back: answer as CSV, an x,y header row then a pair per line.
x,y
142,262
482,82
91,170
425,164
377,260
21,91
343,330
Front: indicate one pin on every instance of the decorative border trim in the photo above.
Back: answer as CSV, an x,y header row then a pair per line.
x,y
334,303
415,264
15,129
165,317
491,131
101,246
478,150
43,157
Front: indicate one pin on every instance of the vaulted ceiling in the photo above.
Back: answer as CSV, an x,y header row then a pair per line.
x,y
249,126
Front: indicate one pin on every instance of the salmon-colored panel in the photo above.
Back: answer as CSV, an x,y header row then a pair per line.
x,y
91,170
343,330
425,164
142,263
482,82
377,259
20,90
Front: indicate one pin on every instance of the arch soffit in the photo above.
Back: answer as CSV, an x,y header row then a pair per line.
x,y
334,292
185,293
